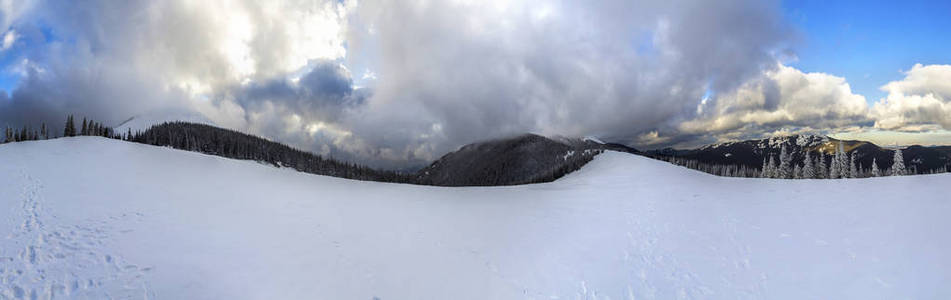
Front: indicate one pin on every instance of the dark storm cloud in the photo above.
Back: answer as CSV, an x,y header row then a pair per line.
x,y
326,90
617,69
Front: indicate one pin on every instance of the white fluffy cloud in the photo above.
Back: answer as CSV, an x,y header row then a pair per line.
x,y
8,39
782,99
919,102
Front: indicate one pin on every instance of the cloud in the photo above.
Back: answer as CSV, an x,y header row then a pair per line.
x,y
454,72
8,39
919,102
111,60
782,99
446,73
12,10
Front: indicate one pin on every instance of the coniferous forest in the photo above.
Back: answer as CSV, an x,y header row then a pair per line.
x,y
43,132
232,144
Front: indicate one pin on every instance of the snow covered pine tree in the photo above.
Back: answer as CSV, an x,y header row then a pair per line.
x,y
898,167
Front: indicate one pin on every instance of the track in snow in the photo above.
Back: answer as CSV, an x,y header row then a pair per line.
x,y
39,260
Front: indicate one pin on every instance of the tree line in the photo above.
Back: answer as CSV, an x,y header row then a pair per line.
x,y
233,144
43,132
726,170
840,165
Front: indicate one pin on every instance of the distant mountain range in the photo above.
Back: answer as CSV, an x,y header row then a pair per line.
x,y
522,159
751,153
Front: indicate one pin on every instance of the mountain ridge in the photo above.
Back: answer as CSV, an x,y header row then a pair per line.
x,y
752,153
520,159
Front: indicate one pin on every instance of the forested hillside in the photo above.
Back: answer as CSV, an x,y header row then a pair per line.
x,y
233,144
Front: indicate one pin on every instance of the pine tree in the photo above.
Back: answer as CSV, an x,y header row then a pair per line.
x,y
797,172
70,129
898,167
838,167
808,171
834,169
853,172
823,168
771,166
875,171
784,162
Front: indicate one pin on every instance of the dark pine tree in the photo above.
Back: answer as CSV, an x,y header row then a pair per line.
x,y
70,129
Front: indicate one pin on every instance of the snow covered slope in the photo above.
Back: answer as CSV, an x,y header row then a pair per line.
x,y
91,217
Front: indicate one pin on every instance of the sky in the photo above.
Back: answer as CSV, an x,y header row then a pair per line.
x,y
870,42
399,83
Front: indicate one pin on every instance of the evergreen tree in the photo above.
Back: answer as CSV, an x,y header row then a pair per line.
x,y
834,168
898,167
875,171
808,171
839,167
70,129
764,171
85,130
771,166
784,162
823,168
797,172
853,172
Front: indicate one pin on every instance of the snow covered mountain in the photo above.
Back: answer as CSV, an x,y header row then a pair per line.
x,y
751,153
89,217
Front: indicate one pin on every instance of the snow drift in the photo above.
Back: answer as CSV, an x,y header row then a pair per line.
x,y
89,217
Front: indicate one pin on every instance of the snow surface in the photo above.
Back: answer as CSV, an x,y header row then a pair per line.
x,y
88,217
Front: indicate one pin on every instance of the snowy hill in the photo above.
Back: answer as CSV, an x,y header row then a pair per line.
x,y
89,217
